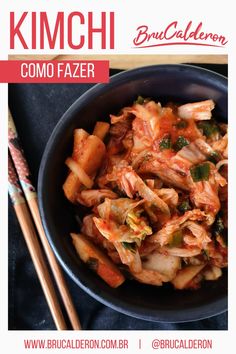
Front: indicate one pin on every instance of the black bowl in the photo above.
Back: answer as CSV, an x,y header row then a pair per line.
x,y
176,83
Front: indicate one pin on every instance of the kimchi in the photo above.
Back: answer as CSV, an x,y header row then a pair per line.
x,y
153,182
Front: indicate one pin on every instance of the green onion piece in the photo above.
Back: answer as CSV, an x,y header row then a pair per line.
x,y
181,124
200,172
165,143
219,231
214,157
140,100
131,246
208,128
184,206
180,143
218,227
176,239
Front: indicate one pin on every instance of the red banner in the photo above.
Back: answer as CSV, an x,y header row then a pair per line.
x,y
53,71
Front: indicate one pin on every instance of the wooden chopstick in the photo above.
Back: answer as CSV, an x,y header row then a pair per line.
x,y
23,172
29,232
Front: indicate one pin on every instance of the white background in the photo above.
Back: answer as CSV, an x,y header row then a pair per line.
x,y
217,17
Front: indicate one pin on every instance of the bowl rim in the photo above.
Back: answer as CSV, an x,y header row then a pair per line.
x,y
156,315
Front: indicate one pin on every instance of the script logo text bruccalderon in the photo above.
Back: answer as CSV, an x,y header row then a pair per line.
x,y
173,34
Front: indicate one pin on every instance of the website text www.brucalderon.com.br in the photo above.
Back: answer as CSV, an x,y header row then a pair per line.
x,y
110,344
75,343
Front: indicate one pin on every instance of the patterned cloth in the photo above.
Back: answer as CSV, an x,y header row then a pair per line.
x,y
36,109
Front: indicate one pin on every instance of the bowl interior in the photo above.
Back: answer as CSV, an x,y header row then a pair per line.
x,y
176,83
